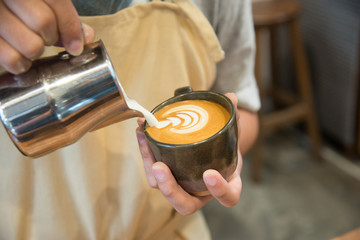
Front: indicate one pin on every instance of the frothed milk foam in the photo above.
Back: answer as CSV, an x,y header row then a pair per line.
x,y
151,120
188,121
183,122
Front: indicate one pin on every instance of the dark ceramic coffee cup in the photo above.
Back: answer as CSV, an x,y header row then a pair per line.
x,y
188,162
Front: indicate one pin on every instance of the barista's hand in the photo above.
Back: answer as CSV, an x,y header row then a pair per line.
x,y
159,176
26,26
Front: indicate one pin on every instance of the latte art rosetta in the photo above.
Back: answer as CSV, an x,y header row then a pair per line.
x,y
188,121
189,118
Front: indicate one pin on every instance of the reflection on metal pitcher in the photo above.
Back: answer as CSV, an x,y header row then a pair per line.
x,y
60,99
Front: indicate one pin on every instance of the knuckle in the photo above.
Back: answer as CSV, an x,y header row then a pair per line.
x,y
153,185
10,62
34,49
147,154
44,21
152,182
51,2
220,194
189,210
168,192
72,28
11,59
15,64
231,203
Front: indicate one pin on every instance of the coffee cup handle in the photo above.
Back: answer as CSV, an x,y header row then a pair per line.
x,y
183,90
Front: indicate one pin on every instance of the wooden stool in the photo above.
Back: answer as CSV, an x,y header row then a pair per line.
x,y
270,15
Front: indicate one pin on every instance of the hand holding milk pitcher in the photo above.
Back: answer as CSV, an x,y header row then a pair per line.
x,y
28,26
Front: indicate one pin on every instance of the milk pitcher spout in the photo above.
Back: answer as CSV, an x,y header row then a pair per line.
x,y
60,99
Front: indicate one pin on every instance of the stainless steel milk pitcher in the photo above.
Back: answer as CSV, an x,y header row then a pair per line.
x,y
60,99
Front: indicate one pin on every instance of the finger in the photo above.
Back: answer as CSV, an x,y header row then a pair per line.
x,y
239,163
69,26
89,33
147,156
38,16
227,193
183,202
141,123
18,35
233,98
12,60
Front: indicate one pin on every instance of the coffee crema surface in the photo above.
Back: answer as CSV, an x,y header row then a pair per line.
x,y
188,121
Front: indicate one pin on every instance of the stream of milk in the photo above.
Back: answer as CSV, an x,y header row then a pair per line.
x,y
151,120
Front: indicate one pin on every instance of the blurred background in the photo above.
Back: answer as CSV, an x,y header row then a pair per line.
x,y
302,179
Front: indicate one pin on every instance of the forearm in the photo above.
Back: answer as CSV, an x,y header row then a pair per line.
x,y
249,129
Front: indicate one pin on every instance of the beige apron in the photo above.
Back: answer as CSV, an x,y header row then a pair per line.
x,y
96,188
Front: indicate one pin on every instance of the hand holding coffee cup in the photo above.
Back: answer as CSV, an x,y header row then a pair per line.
x,y
197,131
